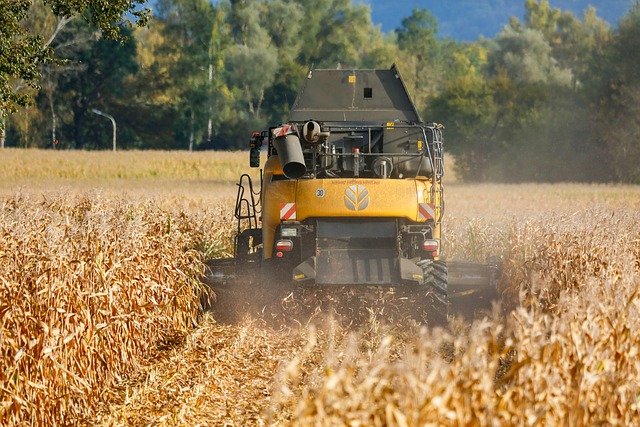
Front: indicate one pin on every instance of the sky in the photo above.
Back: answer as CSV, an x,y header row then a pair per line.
x,y
466,20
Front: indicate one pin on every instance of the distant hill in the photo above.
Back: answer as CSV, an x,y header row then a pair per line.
x,y
469,19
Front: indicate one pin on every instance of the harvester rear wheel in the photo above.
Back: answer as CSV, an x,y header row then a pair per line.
x,y
436,295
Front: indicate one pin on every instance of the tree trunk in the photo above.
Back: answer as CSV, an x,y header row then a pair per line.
x,y
250,101
191,131
210,121
54,123
3,124
260,103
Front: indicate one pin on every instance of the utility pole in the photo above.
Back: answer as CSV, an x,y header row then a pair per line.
x,y
113,122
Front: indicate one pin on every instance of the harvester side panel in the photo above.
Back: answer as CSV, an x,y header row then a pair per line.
x,y
350,198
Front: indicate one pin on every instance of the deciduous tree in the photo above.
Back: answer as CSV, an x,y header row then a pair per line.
x,y
619,116
23,51
417,40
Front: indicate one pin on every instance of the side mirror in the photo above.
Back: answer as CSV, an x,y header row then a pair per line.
x,y
254,154
254,157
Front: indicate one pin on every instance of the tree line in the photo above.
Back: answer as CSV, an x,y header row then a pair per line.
x,y
553,97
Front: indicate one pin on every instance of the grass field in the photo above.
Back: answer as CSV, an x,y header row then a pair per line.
x,y
100,259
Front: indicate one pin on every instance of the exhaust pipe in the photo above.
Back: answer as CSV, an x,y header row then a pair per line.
x,y
290,154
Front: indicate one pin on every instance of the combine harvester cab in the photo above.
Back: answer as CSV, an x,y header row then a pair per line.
x,y
352,195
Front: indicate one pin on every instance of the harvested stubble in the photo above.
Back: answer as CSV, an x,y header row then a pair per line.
x,y
22,165
220,375
88,288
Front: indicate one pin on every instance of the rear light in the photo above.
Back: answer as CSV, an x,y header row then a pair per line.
x,y
284,245
430,245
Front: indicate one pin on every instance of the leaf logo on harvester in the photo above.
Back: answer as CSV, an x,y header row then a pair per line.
x,y
356,197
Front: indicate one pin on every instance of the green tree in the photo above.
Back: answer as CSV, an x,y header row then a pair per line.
x,y
417,41
22,52
216,85
626,47
417,34
20,56
335,33
252,59
471,116
192,40
541,17
98,83
574,43
526,117
526,57
67,38
152,95
502,130
619,115
284,21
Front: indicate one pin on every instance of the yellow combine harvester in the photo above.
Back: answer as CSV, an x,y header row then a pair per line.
x,y
351,195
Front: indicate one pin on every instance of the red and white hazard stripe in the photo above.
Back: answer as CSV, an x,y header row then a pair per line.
x,y
426,211
287,211
283,130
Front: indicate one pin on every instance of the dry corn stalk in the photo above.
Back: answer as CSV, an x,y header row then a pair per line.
x,y
87,289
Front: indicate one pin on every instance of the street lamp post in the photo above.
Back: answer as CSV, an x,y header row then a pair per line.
x,y
113,122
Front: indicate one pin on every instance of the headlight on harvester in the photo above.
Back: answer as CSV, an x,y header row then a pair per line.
x,y
288,232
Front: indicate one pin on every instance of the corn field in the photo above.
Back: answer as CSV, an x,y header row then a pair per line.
x,y
100,289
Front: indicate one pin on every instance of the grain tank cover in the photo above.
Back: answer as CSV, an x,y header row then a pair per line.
x,y
354,96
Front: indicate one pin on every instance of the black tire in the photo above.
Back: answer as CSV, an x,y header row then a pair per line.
x,y
436,295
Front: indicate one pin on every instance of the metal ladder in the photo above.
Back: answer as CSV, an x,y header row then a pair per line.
x,y
437,190
246,214
438,158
